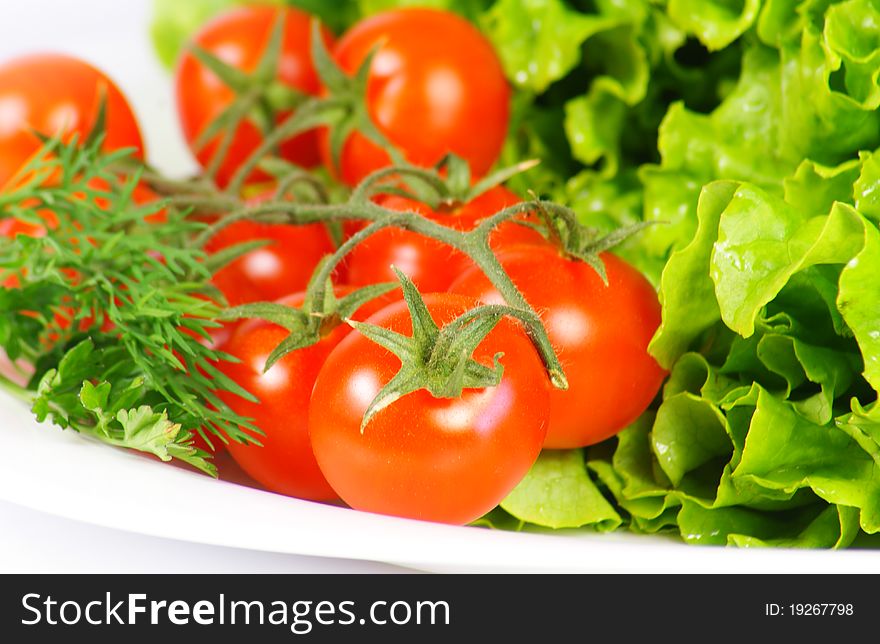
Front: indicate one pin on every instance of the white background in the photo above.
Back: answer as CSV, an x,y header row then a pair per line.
x,y
113,35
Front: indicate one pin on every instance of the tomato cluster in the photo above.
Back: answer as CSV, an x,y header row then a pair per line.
x,y
432,457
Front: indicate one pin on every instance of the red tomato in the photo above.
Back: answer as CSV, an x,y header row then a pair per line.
x,y
430,264
600,333
439,459
285,463
435,86
54,94
269,272
239,38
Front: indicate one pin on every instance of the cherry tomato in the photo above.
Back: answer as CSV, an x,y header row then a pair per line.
x,y
56,94
600,333
238,38
285,463
431,264
439,459
270,272
435,86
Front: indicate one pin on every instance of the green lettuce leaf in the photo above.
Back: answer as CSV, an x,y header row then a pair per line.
x,y
559,493
539,41
859,300
809,527
594,124
688,432
785,451
716,23
762,242
687,292
867,187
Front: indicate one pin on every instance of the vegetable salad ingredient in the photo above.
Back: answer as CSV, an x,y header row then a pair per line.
x,y
55,94
434,86
256,85
448,459
600,331
282,265
281,458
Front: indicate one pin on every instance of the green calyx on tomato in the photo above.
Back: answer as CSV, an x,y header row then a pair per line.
x,y
578,242
349,95
437,360
243,75
318,314
427,457
459,187
430,83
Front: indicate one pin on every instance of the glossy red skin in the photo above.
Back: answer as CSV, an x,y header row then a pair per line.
x,y
435,86
270,272
449,460
600,334
238,37
431,264
285,463
57,94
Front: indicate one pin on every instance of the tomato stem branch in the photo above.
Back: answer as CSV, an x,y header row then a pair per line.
x,y
472,243
310,114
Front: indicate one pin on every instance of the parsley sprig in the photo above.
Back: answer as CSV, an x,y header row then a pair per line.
x,y
114,311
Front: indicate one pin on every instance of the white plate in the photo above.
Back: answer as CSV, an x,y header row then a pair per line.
x,y
65,474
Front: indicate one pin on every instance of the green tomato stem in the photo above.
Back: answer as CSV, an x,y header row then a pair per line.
x,y
311,113
475,245
245,104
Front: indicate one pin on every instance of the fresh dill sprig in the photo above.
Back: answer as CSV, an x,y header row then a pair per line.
x,y
114,311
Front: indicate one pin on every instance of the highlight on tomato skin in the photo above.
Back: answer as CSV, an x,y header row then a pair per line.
x,y
56,94
449,460
435,86
601,334
286,263
239,37
285,463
